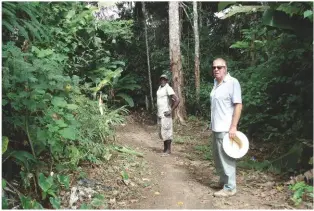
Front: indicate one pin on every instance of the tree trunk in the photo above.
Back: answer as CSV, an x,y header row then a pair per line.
x,y
197,53
148,61
200,15
175,59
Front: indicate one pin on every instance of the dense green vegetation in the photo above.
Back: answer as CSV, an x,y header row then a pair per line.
x,y
55,67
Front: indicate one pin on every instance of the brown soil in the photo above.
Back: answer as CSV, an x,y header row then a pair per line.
x,y
181,180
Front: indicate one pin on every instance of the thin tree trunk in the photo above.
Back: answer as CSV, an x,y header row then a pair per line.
x,y
197,52
200,15
175,59
148,61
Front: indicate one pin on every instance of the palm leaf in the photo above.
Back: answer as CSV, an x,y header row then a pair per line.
x,y
6,11
127,98
8,26
129,86
21,29
33,31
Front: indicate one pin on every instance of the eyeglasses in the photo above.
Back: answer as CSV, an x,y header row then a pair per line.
x,y
218,67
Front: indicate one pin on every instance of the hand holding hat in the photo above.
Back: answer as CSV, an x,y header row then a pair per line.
x,y
236,147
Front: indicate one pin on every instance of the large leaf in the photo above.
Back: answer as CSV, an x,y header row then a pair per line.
x,y
64,180
240,44
240,9
23,157
72,106
45,183
5,142
308,14
224,4
28,203
68,133
55,202
59,101
4,183
127,98
277,19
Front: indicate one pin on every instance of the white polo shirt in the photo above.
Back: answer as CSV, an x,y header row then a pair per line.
x,y
222,98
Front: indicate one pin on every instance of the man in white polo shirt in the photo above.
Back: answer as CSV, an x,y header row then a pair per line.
x,y
226,106
167,101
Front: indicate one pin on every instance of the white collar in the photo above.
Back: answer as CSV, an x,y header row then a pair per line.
x,y
226,78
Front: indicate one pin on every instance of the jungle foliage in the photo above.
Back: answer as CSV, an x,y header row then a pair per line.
x,y
55,67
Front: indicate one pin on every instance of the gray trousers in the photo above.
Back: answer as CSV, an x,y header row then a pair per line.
x,y
225,165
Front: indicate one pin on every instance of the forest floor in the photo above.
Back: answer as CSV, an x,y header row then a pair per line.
x,y
181,180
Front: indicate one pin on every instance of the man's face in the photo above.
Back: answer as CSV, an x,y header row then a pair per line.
x,y
163,81
219,69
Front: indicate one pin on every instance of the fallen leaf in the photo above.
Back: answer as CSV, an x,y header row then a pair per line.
x,y
112,201
122,203
180,203
134,200
115,192
279,187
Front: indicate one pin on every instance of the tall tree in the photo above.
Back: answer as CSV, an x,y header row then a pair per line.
x,y
148,61
197,53
175,59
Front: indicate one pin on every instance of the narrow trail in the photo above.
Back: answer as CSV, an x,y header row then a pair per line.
x,y
184,184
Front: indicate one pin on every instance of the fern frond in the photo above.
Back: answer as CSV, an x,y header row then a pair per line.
x,y
6,11
21,29
8,26
33,31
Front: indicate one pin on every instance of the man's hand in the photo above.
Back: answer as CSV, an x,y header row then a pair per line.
x,y
167,113
232,132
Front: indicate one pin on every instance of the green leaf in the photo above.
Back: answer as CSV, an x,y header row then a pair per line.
x,y
72,106
61,123
124,175
64,180
5,142
59,101
240,44
45,183
127,98
4,183
98,201
277,19
85,207
4,102
27,203
52,193
23,156
223,5
119,62
5,204
68,133
308,14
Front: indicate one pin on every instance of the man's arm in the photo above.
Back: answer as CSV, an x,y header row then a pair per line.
x,y
175,102
235,119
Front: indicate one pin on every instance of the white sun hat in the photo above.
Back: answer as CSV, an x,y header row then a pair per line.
x,y
237,147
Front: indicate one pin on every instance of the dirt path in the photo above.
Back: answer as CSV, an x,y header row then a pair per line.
x,y
183,183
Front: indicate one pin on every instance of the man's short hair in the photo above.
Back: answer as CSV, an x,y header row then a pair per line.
x,y
221,59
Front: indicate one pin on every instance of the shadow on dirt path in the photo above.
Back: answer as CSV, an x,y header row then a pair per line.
x,y
182,183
